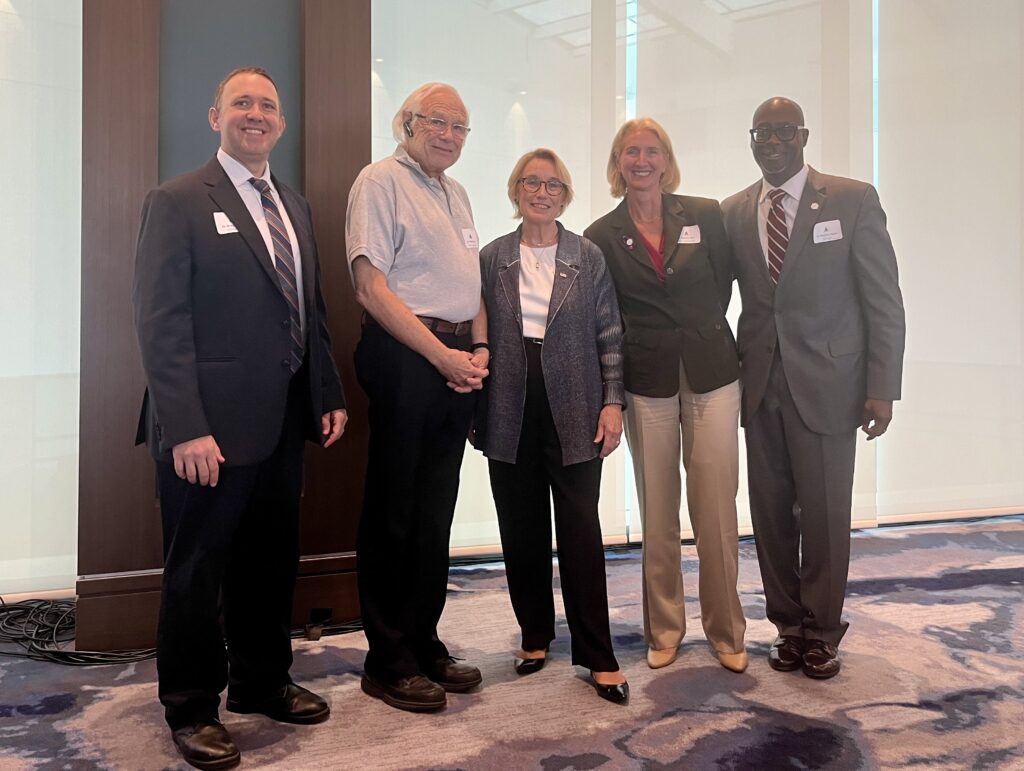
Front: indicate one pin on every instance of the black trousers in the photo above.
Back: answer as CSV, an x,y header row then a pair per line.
x,y
418,430
522,494
232,549
801,492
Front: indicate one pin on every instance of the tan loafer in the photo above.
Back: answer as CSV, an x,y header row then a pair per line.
x,y
661,657
737,662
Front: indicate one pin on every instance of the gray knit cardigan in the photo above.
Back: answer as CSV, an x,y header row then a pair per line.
x,y
581,355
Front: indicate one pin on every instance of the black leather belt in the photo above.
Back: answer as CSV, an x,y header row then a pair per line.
x,y
434,325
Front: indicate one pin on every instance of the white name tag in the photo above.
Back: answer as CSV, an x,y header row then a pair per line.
x,y
471,238
690,234
827,231
224,225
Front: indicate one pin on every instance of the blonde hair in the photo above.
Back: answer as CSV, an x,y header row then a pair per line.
x,y
412,104
669,180
561,171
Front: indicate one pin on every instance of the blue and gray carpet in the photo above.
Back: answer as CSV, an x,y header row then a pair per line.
x,y
933,677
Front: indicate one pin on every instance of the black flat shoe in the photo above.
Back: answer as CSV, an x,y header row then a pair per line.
x,y
206,745
821,660
291,704
616,694
453,676
529,666
414,693
786,653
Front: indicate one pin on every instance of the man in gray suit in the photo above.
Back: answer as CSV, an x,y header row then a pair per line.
x,y
821,341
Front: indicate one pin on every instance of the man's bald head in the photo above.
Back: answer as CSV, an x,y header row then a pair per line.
x,y
780,157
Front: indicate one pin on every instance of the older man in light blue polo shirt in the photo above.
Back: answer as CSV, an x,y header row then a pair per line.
x,y
414,257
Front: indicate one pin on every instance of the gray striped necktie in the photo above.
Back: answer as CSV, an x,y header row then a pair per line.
x,y
284,262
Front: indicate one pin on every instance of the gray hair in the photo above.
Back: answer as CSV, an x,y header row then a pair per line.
x,y
412,105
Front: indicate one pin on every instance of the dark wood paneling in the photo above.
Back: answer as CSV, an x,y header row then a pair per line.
x,y
119,611
118,523
119,526
336,100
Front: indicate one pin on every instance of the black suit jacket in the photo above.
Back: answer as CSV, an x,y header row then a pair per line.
x,y
213,325
682,317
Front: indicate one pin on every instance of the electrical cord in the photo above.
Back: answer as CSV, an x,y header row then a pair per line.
x,y
40,630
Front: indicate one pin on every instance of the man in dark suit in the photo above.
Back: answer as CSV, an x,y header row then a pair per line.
x,y
239,372
821,340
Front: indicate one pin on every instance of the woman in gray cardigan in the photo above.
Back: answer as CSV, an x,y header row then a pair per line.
x,y
553,411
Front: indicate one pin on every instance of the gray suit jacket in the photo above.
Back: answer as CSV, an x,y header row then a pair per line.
x,y
582,353
837,312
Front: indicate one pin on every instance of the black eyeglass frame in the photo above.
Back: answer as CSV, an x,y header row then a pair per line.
x,y
767,132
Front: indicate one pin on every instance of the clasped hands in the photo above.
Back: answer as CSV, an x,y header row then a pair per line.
x,y
464,372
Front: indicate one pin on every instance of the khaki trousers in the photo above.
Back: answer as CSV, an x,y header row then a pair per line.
x,y
707,425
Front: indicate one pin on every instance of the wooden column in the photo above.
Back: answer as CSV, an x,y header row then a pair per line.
x,y
119,552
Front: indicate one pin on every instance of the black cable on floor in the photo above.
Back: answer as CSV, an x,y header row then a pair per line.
x,y
41,629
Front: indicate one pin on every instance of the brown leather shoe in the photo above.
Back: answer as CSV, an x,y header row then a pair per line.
x,y
453,676
291,704
821,660
206,745
786,653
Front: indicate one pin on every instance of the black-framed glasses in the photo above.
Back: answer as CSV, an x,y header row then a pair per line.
x,y
532,185
440,125
786,133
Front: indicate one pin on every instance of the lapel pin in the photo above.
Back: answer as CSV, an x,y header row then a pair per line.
x,y
628,242
814,206
562,275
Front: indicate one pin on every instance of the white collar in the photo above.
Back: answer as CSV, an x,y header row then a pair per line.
x,y
794,186
238,174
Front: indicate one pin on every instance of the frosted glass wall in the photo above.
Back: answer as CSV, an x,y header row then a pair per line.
x,y
40,197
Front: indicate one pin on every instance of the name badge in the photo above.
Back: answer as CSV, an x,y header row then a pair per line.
x,y
690,234
224,225
827,231
471,238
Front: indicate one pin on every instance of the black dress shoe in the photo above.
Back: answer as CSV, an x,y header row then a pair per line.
x,y
414,693
616,694
206,745
529,666
821,660
291,704
786,653
453,676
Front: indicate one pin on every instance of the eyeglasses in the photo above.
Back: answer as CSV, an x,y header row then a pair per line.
x,y
440,125
532,185
786,133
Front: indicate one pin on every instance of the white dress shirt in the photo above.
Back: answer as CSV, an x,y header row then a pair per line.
x,y
794,187
240,176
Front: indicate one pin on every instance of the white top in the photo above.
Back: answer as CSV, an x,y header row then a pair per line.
x,y
794,187
240,176
536,279
418,231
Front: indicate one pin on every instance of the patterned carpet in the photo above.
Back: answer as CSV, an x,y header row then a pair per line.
x,y
933,677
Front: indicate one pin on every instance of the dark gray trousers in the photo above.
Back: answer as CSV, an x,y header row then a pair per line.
x,y
801,488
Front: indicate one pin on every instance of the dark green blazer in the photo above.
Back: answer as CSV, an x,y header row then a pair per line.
x,y
682,317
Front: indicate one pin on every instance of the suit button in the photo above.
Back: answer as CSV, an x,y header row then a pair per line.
x,y
669,271
717,326
286,323
285,362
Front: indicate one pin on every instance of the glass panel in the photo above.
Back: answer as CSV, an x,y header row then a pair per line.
x,y
40,195
526,74
950,166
